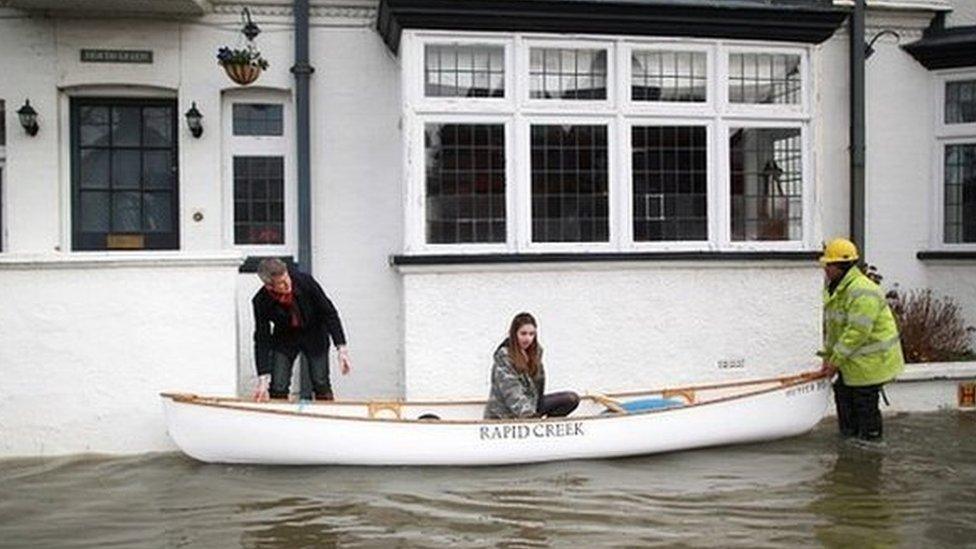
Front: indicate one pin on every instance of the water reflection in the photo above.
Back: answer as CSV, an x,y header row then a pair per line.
x,y
853,501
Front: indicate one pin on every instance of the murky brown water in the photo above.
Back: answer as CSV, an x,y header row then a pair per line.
x,y
919,490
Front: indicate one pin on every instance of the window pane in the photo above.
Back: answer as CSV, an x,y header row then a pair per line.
x,y
94,126
258,200
126,126
452,70
960,193
157,126
94,168
258,119
158,170
465,183
157,212
94,211
766,167
960,102
569,184
764,78
126,213
556,73
668,76
670,183
126,169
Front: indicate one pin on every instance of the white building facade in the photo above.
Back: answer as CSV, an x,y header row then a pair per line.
x,y
655,193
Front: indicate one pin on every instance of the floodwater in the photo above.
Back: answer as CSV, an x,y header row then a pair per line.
x,y
919,489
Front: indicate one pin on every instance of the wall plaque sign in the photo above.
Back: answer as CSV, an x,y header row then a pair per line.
x,y
116,56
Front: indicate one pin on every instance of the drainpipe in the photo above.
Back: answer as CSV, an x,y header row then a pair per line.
x,y
857,130
303,73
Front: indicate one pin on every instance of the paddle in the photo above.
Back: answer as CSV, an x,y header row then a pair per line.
x,y
612,404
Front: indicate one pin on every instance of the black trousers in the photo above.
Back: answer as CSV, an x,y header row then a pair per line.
x,y
283,360
559,404
858,414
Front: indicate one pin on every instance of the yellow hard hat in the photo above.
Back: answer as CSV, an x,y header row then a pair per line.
x,y
839,250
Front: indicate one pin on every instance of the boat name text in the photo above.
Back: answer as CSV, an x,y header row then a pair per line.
x,y
547,430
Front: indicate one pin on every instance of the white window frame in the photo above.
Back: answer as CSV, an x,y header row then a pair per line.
x,y
946,135
260,145
518,112
523,159
417,182
711,189
524,46
749,110
667,108
417,96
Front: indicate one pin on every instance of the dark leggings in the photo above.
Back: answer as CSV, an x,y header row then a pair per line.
x,y
857,410
559,404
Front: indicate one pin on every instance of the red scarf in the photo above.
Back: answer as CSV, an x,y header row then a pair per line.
x,y
288,302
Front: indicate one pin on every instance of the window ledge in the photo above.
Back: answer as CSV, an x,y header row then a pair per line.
x,y
108,260
601,257
946,255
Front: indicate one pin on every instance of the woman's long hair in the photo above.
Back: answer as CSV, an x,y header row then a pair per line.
x,y
530,361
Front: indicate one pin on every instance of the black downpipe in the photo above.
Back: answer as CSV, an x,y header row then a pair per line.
x,y
303,73
857,136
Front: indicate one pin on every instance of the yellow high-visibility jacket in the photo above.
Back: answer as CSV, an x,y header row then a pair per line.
x,y
860,332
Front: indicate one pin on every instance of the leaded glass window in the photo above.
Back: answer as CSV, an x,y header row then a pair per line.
x,y
570,194
764,78
465,183
668,76
453,70
564,73
670,179
766,169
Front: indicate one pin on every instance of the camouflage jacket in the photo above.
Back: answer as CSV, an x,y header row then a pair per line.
x,y
513,394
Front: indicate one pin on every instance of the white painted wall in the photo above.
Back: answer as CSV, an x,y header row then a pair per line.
x,y
88,344
612,327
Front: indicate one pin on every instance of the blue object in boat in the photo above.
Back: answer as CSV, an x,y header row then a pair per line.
x,y
646,404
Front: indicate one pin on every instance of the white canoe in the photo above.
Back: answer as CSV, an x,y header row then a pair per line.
x,y
229,430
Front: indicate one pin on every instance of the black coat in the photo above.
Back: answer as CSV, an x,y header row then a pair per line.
x,y
320,319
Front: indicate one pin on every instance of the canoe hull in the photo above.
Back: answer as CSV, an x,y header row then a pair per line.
x,y
220,434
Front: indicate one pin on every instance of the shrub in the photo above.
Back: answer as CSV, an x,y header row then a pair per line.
x,y
932,328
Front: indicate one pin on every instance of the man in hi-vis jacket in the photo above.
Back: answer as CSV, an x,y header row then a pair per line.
x,y
861,341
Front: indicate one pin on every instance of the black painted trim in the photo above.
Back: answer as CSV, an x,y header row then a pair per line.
x,y
945,48
250,264
483,259
945,256
808,21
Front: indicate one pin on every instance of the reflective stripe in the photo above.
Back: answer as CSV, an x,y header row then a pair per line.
x,y
864,292
833,314
861,320
842,350
876,347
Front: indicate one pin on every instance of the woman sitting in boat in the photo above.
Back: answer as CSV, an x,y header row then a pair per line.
x,y
518,380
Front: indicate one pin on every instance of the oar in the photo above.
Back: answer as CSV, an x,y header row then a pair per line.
x,y
612,404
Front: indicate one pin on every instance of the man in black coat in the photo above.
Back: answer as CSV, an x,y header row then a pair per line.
x,y
303,319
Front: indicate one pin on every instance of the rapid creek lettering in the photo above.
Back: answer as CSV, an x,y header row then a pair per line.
x,y
516,432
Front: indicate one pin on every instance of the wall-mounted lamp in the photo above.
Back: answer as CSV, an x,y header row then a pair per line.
x,y
194,120
869,47
28,118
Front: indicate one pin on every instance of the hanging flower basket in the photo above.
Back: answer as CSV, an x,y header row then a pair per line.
x,y
243,66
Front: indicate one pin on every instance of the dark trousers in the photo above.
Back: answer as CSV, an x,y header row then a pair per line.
x,y
858,414
559,404
283,361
